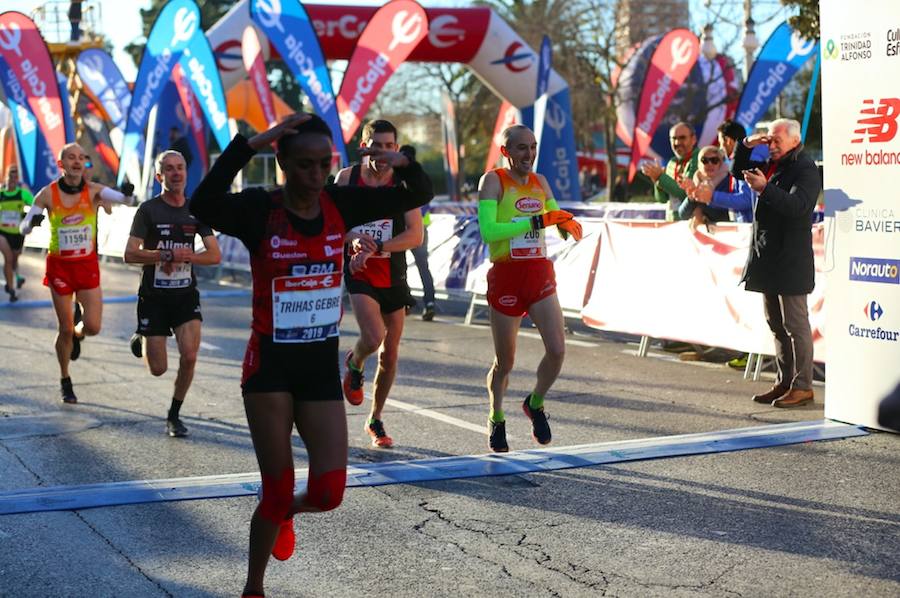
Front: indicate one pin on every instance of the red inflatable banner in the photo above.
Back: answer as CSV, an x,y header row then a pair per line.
x,y
390,37
256,69
672,61
25,53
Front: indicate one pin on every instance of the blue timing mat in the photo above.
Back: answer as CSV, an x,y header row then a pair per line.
x,y
66,498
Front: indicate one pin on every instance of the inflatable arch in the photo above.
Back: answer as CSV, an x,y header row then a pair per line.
x,y
476,37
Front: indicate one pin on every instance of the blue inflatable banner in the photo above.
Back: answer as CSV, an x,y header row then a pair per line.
x,y
200,70
174,29
37,161
545,63
288,27
68,123
779,60
556,157
102,78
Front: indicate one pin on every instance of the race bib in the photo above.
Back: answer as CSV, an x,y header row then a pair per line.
x,y
528,246
381,230
305,309
9,218
178,278
75,241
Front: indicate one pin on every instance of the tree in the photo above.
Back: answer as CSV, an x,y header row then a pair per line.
x,y
807,20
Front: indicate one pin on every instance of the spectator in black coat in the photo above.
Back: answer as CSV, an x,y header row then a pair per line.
x,y
780,264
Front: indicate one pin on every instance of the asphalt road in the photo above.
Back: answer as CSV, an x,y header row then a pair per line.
x,y
817,519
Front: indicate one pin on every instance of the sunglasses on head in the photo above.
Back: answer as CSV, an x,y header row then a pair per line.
x,y
712,160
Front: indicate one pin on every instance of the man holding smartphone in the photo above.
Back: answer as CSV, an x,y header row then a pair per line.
x,y
780,264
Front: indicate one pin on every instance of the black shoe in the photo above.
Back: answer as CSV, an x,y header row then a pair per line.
x,y
12,295
540,429
76,342
136,345
175,428
68,394
497,440
428,312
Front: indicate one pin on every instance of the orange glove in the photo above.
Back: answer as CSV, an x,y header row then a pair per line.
x,y
550,218
570,227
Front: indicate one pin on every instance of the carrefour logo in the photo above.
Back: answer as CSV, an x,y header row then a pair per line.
x,y
873,311
870,269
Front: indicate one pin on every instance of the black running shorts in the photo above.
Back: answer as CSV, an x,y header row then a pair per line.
x,y
159,314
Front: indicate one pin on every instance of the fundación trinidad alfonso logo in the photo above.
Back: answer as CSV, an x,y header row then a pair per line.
x,y
878,123
873,311
831,51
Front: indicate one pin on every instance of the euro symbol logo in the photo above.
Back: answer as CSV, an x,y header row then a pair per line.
x,y
800,46
555,118
405,30
93,68
184,25
443,26
269,12
879,123
681,52
10,38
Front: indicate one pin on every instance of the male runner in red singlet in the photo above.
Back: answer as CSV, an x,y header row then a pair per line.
x,y
514,207
72,268
375,270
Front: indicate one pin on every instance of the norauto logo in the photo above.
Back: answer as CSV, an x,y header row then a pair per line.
x,y
873,269
873,311
515,59
878,123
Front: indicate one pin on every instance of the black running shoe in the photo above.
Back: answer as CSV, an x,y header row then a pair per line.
x,y
428,312
497,440
540,429
136,345
68,394
12,296
175,428
76,342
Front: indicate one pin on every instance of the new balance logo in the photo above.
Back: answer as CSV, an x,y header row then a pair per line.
x,y
878,124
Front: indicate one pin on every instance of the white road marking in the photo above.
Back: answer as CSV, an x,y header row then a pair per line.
x,y
447,419
209,347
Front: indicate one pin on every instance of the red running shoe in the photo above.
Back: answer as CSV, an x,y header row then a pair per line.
x,y
284,543
353,383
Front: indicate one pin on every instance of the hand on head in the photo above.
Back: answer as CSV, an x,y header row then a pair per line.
x,y
285,127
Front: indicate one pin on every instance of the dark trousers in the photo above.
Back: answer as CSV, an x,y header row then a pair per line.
x,y
788,320
420,254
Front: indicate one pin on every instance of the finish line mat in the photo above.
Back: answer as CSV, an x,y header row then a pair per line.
x,y
66,498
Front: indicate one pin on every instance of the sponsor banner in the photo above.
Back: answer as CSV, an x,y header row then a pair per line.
x,y
779,60
506,117
27,57
192,115
543,82
670,65
391,35
290,31
861,142
69,124
104,82
172,32
173,130
256,71
97,132
699,272
199,68
451,147
557,159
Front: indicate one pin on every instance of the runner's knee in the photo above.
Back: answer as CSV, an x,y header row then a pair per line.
x,y
188,359
277,496
157,368
503,366
325,492
388,358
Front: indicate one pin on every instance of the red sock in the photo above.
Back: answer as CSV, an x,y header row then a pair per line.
x,y
284,543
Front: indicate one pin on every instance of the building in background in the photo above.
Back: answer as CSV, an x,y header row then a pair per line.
x,y
636,20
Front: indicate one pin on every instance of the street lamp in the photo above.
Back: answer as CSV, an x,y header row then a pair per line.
x,y
750,45
708,48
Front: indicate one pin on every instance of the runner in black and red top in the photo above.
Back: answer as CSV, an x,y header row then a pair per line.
x,y
291,374
375,270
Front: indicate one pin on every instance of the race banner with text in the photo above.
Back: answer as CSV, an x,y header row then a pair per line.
x,y
26,56
451,145
545,64
670,65
192,114
391,35
779,60
256,71
861,142
199,67
290,31
103,81
171,33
